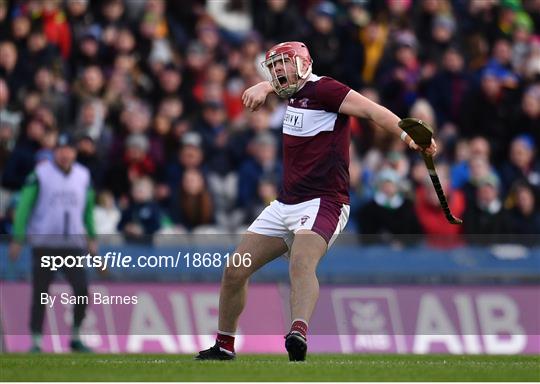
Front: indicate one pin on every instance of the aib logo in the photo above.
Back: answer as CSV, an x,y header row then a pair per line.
x,y
304,219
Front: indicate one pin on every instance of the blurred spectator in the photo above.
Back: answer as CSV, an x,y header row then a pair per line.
x,y
267,191
80,18
91,122
257,122
193,205
23,158
400,76
447,90
443,28
477,147
528,120
89,51
4,8
374,39
214,130
47,145
523,163
231,15
479,169
190,156
10,67
389,213
525,214
40,53
46,84
439,231
323,41
88,86
142,217
88,155
11,117
106,214
487,112
277,20
521,36
486,217
56,27
264,164
134,164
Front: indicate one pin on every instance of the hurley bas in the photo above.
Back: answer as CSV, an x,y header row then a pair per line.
x,y
94,298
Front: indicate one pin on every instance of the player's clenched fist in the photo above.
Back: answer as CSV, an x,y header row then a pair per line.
x,y
255,96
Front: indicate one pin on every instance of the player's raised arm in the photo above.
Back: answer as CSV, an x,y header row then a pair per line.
x,y
357,105
255,96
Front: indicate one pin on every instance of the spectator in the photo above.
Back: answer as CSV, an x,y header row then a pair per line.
x,y
190,156
88,155
486,218
278,20
525,215
522,164
487,112
267,191
91,122
106,214
10,67
142,218
39,53
442,36
215,134
263,165
46,84
447,90
23,158
528,120
478,147
389,216
479,169
11,117
439,232
56,27
193,202
399,78
135,164
323,41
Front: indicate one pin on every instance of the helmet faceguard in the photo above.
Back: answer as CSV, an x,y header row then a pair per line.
x,y
278,71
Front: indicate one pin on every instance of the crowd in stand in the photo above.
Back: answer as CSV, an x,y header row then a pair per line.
x,y
151,90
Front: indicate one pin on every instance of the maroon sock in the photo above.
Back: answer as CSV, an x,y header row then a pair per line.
x,y
225,342
299,326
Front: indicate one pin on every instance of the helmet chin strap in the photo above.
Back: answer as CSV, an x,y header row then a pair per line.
x,y
302,77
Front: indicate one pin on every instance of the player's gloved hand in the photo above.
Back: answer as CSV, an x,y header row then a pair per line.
x,y
255,96
431,150
14,250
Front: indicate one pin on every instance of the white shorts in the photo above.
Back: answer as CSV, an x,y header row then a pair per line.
x,y
321,215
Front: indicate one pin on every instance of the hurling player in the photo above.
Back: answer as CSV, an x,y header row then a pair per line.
x,y
313,205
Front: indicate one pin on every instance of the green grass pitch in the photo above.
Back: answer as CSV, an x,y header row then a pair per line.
x,y
70,367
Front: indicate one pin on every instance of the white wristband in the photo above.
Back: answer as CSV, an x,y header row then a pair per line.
x,y
403,135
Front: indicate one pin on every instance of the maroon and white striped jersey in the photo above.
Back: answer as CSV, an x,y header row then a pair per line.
x,y
316,140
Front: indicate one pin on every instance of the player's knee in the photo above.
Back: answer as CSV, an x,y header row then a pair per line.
x,y
236,275
300,267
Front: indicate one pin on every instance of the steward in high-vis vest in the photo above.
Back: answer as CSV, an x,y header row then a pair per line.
x,y
55,215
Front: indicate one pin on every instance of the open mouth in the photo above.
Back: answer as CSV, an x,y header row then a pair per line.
x,y
282,80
